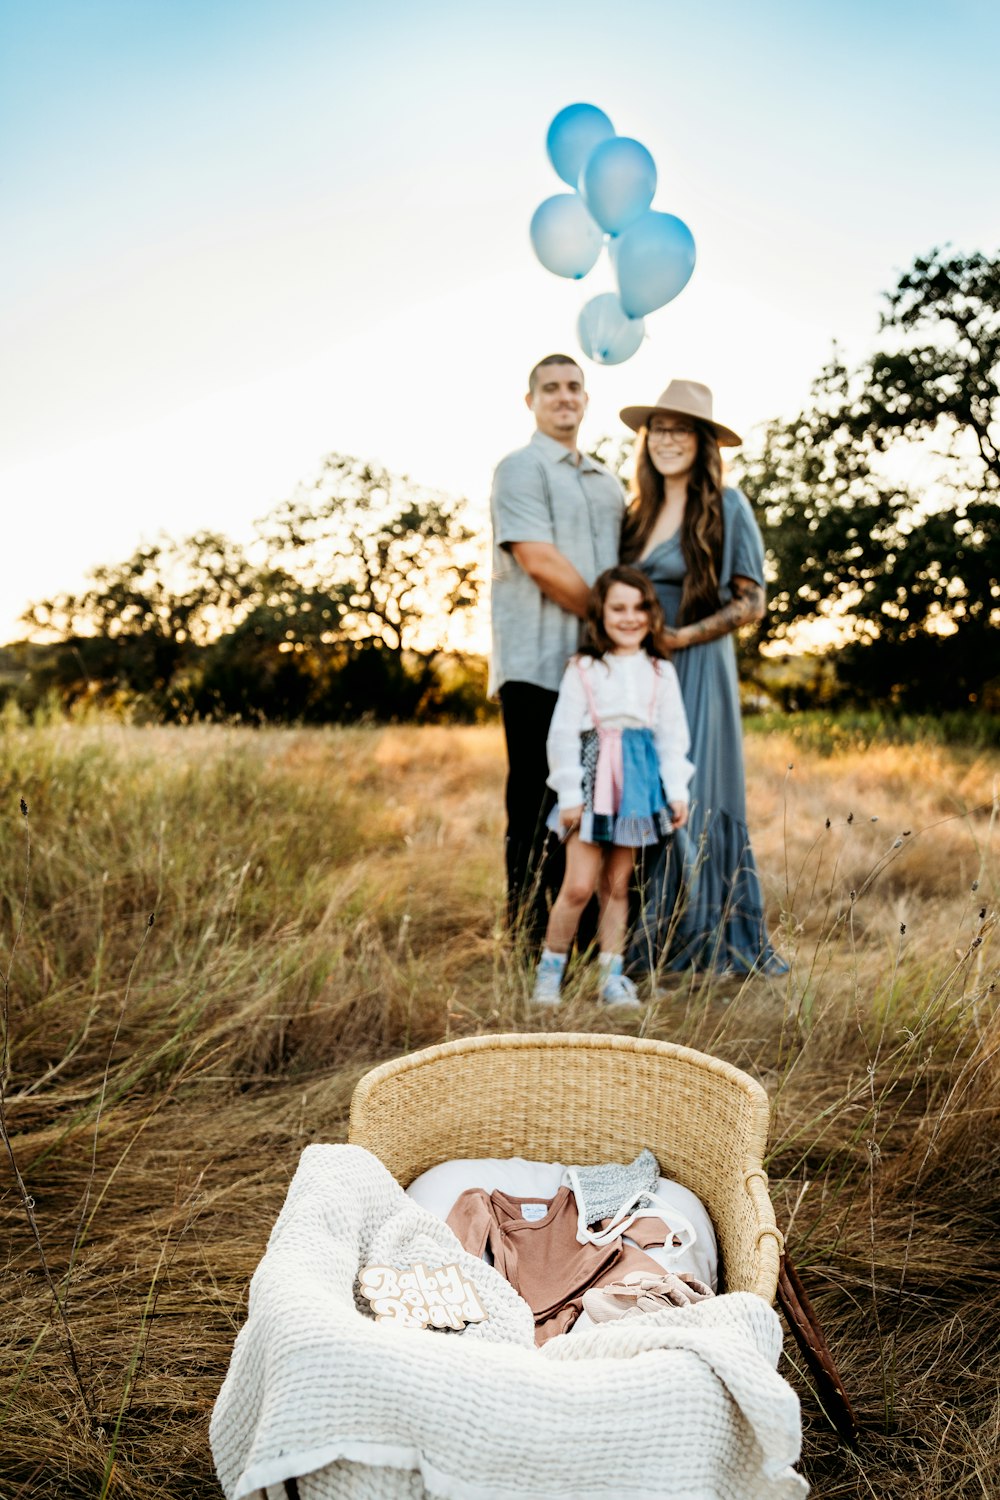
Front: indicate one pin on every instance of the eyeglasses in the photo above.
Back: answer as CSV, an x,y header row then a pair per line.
x,y
680,430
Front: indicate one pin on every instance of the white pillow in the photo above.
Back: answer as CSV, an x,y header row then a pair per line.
x,y
439,1189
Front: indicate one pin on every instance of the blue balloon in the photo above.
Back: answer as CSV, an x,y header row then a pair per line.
x,y
606,334
618,182
573,134
565,237
653,261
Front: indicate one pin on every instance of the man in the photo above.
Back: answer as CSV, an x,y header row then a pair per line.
x,y
556,521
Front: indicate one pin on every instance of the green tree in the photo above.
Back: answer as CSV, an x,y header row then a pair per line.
x,y
879,502
139,622
400,560
270,662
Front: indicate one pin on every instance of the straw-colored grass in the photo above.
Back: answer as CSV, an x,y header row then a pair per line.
x,y
326,899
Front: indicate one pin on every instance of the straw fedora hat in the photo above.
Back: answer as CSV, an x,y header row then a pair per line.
x,y
682,398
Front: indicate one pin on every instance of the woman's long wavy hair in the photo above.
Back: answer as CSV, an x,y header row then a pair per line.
x,y
701,525
595,640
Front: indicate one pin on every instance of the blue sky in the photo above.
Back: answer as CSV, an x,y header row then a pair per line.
x,y
239,234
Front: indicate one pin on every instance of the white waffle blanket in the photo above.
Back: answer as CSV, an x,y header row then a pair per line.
x,y
686,1403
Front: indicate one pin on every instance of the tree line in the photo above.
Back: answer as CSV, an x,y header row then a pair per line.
x,y
878,504
342,607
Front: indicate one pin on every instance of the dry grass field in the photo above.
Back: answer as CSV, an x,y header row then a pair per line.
x,y
218,930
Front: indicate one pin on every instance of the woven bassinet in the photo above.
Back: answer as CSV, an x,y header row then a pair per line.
x,y
582,1098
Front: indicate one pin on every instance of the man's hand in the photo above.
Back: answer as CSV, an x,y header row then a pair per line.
x,y
569,817
678,814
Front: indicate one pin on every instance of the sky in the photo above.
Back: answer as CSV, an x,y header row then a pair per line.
x,y
240,234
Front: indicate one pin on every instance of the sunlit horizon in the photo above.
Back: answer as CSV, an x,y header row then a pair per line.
x,y
232,256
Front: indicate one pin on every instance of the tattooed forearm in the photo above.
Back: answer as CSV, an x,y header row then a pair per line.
x,y
746,605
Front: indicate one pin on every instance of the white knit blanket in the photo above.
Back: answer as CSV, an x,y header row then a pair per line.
x,y
686,1402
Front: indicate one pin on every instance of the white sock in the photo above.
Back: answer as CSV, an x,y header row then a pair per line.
x,y
553,959
610,963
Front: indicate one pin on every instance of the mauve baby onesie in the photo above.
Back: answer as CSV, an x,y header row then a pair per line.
x,y
541,1257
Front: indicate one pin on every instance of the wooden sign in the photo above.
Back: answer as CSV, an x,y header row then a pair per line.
x,y
415,1297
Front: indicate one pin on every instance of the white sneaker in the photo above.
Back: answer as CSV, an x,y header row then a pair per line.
x,y
548,982
618,989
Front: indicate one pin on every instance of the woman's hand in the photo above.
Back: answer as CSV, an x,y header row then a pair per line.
x,y
673,638
678,814
667,641
569,817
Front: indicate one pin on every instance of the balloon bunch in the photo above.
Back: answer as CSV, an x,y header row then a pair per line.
x,y
652,254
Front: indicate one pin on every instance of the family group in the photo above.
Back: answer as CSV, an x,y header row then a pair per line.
x,y
613,659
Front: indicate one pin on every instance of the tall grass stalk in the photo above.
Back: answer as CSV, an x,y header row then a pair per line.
x,y
132,1372
83,1223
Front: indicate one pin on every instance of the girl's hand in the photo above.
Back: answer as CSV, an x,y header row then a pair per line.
x,y
569,817
678,814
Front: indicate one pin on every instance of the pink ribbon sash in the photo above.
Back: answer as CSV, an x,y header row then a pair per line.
x,y
609,776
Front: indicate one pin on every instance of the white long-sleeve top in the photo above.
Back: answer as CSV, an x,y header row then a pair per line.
x,y
622,687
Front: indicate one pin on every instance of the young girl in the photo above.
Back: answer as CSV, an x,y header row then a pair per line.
x,y
618,763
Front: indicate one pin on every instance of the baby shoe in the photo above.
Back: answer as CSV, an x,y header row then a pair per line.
x,y
639,1292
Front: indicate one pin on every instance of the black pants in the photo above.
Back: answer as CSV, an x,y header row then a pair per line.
x,y
535,860
533,880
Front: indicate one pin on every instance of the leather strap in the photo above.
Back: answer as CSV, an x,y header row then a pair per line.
x,y
804,1324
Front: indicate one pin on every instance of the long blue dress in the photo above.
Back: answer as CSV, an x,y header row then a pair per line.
x,y
702,903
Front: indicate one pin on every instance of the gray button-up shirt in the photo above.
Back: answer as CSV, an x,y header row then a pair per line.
x,y
541,495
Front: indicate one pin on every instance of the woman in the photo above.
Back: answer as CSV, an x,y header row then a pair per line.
x,y
700,546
